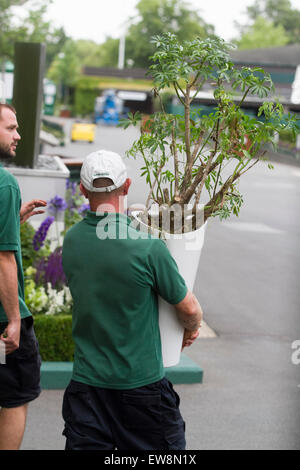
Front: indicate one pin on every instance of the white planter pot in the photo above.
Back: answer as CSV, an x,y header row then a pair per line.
x,y
186,250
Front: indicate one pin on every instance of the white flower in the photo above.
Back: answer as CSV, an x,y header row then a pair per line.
x,y
68,295
59,301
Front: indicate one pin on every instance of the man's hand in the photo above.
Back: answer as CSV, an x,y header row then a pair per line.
x,y
10,300
189,337
28,209
11,336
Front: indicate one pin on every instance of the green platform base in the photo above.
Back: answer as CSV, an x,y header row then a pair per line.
x,y
56,375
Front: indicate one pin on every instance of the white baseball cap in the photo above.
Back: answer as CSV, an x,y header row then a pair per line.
x,y
103,164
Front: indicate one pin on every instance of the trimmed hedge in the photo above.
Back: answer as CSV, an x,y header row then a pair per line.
x,y
54,334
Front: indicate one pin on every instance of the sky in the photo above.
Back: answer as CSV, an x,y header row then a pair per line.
x,y
97,19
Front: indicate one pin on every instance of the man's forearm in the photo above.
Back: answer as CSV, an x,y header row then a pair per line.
x,y
189,312
9,285
190,323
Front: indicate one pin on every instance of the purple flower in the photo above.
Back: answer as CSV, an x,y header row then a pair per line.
x,y
83,209
72,186
50,270
57,204
71,204
41,233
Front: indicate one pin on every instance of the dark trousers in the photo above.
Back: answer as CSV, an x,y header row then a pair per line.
x,y
145,418
20,375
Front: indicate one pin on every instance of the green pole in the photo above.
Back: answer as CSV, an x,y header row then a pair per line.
x,y
28,99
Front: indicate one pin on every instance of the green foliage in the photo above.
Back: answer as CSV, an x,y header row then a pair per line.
x,y
183,154
86,91
29,255
88,53
174,62
153,17
91,54
65,68
75,202
109,53
159,16
54,334
34,28
280,13
36,298
288,136
263,33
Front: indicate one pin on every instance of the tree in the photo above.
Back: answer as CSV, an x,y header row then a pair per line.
x,y
153,17
159,16
88,52
33,28
65,68
5,24
263,33
109,52
55,44
280,12
92,54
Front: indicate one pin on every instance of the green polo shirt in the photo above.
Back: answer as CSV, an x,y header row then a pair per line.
x,y
10,204
115,276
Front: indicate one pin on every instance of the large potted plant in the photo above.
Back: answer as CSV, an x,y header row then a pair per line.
x,y
192,161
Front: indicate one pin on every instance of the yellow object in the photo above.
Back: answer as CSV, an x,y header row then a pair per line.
x,y
82,131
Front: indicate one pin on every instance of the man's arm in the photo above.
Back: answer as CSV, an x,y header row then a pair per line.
x,y
10,300
190,315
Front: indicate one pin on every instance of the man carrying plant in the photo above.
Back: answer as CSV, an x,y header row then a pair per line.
x,y
118,396
20,371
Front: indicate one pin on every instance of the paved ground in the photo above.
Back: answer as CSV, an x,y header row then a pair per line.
x,y
248,285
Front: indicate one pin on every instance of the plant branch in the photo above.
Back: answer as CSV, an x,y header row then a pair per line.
x,y
177,92
207,168
209,208
158,182
175,155
198,89
156,175
197,180
244,97
187,137
197,147
204,144
199,72
217,178
157,94
152,186
251,166
187,126
202,180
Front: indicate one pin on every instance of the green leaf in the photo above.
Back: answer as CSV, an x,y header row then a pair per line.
x,y
247,154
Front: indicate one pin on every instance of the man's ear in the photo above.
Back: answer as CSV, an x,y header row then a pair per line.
x,y
127,185
83,190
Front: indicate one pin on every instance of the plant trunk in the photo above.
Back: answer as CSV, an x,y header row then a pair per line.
x,y
189,160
